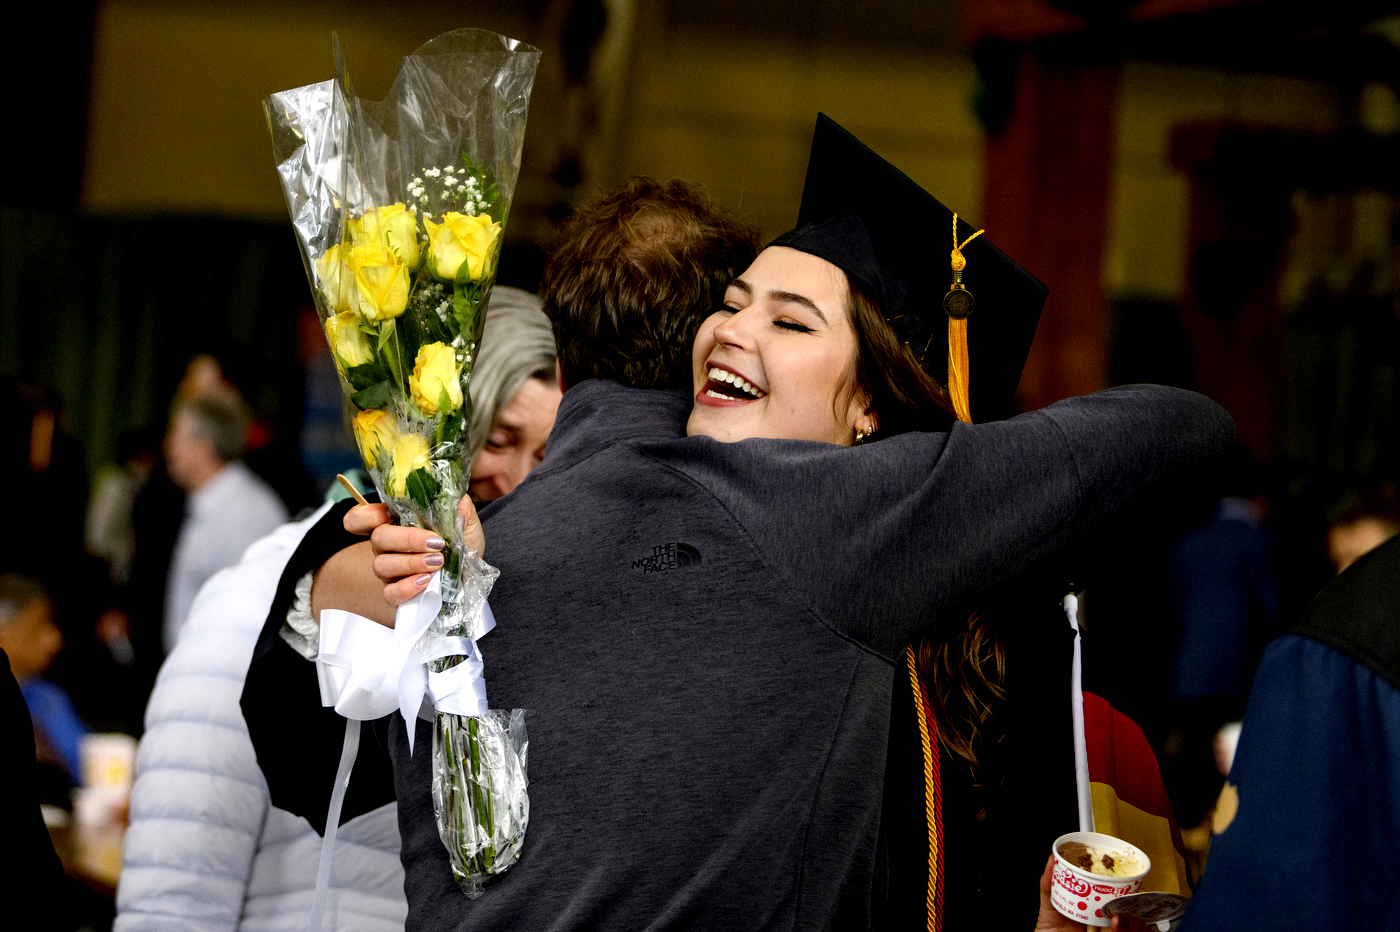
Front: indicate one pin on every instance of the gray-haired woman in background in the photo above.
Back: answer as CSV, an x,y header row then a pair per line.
x,y
514,393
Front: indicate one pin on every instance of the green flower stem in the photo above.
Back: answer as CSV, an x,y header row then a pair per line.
x,y
390,350
468,799
483,794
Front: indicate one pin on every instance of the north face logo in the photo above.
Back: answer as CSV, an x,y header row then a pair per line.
x,y
668,557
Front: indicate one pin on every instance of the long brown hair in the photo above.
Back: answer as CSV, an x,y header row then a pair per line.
x,y
903,396
964,669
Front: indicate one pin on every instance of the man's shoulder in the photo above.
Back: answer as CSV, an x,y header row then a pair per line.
x,y
1359,612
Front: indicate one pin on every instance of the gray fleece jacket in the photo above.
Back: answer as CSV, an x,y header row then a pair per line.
x,y
705,634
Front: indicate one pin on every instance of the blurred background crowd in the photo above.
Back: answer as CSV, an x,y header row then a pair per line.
x,y
1210,188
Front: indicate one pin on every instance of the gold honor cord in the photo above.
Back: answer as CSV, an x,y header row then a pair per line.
x,y
958,303
933,800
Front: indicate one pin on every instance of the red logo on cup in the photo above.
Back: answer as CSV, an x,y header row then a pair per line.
x,y
1073,884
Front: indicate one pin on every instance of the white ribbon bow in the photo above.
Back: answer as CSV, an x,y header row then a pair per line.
x,y
366,670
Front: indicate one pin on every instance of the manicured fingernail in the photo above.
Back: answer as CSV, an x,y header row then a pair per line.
x,y
432,559
461,522
423,580
435,543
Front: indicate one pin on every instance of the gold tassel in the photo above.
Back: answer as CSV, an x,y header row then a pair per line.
x,y
958,303
957,368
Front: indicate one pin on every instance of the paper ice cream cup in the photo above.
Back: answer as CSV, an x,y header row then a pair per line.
x,y
108,765
1080,894
107,761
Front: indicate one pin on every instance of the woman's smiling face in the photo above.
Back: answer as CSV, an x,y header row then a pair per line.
x,y
778,360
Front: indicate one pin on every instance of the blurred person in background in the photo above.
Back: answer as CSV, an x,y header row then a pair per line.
x,y
228,507
1308,826
237,370
109,536
108,531
204,378
157,515
32,885
206,849
42,463
1366,521
1225,603
31,638
43,467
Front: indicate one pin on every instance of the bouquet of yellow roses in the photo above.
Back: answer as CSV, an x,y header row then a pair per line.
x,y
399,208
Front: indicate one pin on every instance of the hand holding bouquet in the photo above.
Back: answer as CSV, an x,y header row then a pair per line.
x,y
399,208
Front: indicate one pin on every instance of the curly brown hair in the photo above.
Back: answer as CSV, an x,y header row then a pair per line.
x,y
636,271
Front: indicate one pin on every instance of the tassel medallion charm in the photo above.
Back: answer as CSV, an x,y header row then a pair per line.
x,y
959,303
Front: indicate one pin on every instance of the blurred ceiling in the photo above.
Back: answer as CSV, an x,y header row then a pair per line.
x,y
928,26
1347,44
1338,43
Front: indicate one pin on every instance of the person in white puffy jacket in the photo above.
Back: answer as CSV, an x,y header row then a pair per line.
x,y
206,850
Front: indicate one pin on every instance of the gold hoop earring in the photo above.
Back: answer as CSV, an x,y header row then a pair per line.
x,y
862,435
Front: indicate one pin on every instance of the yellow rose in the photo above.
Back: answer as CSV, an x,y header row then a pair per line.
x,y
381,282
347,340
434,371
410,452
461,238
336,279
393,227
375,433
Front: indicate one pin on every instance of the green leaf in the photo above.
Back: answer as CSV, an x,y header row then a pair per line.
x,y
436,328
465,302
373,396
422,487
446,414
362,377
386,333
451,429
409,341
391,351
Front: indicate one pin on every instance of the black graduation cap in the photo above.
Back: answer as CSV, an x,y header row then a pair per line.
x,y
868,218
